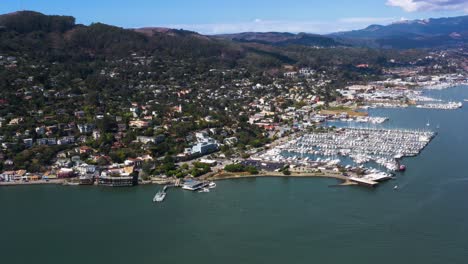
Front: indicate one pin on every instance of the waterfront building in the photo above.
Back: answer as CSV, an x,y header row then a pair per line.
x,y
118,177
87,179
117,181
193,185
8,176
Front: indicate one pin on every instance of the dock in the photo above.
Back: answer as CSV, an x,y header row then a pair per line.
x,y
364,182
161,195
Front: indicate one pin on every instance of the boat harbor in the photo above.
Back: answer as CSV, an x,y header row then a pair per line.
x,y
360,147
442,106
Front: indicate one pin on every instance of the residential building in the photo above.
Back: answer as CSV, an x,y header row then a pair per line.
x,y
85,128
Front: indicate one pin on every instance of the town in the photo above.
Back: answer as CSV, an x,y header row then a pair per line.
x,y
171,131
164,106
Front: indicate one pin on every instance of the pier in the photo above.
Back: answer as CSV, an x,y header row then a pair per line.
x,y
364,181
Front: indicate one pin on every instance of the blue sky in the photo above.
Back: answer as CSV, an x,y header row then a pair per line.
x,y
215,16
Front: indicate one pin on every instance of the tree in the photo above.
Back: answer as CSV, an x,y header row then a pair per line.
x,y
252,170
102,161
234,168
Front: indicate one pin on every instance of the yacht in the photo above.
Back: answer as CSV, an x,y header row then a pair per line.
x,y
212,185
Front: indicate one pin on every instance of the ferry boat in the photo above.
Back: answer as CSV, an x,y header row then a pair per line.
x,y
159,197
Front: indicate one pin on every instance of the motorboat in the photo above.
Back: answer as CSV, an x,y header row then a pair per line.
x,y
204,190
159,197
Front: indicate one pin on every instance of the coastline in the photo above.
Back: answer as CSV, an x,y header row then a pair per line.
x,y
39,182
345,181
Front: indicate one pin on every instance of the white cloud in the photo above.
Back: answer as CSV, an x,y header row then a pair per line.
x,y
259,25
430,5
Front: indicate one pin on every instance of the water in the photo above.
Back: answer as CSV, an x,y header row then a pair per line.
x,y
268,220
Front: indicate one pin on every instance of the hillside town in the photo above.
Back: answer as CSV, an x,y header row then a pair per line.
x,y
164,128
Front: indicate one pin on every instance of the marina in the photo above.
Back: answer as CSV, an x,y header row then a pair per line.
x,y
442,106
362,119
384,147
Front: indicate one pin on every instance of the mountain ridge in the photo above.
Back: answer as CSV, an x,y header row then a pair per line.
x,y
407,34
282,38
419,33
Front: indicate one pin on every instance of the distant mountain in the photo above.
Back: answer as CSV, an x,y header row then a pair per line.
x,y
425,33
282,39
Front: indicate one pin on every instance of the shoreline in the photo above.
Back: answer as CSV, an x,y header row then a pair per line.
x,y
345,181
39,182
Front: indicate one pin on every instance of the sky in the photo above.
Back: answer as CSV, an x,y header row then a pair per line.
x,y
217,17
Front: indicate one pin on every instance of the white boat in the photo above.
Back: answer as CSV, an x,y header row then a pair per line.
x,y
396,187
212,185
204,190
71,183
159,197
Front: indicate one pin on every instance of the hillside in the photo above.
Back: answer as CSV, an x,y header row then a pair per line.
x,y
282,39
38,34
